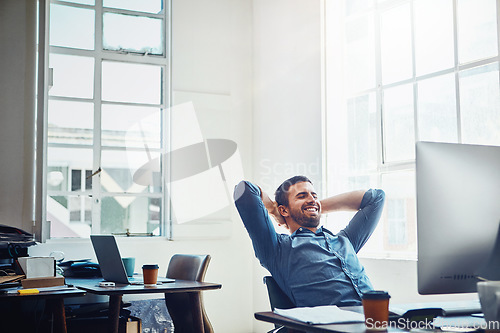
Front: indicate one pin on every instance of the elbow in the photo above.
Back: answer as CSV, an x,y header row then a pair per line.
x,y
239,190
379,197
373,197
244,188
380,194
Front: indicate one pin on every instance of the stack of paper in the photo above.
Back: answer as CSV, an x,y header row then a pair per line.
x,y
11,278
328,314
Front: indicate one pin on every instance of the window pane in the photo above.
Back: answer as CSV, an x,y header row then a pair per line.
x,y
73,76
399,217
119,167
360,54
69,215
60,164
83,2
477,29
433,35
396,219
339,220
395,38
480,105
72,27
354,6
437,112
57,178
88,180
147,6
131,126
399,132
132,33
135,83
362,137
76,180
70,122
137,214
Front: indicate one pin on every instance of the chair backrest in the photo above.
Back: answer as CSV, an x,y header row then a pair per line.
x,y
184,307
277,297
188,267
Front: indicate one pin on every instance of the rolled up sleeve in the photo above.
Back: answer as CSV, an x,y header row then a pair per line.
x,y
257,221
364,222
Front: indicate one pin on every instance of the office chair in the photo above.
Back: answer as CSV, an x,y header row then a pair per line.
x,y
278,299
186,308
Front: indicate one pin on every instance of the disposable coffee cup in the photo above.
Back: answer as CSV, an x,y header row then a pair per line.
x,y
150,274
376,309
489,297
129,264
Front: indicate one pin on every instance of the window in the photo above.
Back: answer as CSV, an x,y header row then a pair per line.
x,y
397,72
107,94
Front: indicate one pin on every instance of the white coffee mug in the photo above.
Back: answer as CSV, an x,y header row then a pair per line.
x,y
489,296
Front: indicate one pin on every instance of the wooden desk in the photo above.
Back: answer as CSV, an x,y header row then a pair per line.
x,y
54,301
116,293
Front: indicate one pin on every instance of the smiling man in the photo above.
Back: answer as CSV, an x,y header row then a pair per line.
x,y
312,265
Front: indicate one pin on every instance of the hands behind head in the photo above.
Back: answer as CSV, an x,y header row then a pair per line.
x,y
272,209
279,219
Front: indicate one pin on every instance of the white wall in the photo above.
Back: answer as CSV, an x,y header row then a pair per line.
x,y
17,111
287,91
287,136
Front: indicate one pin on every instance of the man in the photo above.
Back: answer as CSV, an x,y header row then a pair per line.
x,y
311,265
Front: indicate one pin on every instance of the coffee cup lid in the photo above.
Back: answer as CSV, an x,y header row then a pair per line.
x,y
155,266
376,294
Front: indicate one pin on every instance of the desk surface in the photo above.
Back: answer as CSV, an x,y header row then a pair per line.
x,y
271,317
61,292
398,326
178,286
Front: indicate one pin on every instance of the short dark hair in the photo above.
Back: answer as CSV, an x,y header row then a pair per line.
x,y
281,194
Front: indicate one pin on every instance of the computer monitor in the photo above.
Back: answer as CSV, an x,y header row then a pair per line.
x,y
458,216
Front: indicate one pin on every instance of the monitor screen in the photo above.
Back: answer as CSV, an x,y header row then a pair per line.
x,y
458,216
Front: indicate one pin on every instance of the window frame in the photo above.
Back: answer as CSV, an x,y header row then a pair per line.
x,y
99,55
336,98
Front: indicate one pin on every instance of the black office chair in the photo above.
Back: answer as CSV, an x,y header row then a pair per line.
x,y
184,307
278,299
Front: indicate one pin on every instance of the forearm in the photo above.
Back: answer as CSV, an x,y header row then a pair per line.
x,y
272,207
365,220
349,201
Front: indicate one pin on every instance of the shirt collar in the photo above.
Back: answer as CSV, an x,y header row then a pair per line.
x,y
319,231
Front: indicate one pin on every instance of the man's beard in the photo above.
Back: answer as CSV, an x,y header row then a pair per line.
x,y
305,221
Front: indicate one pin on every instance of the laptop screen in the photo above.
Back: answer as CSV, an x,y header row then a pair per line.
x,y
109,258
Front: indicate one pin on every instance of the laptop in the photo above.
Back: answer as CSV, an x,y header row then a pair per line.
x,y
110,261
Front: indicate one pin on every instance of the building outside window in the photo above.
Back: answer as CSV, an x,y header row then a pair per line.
x,y
108,89
398,72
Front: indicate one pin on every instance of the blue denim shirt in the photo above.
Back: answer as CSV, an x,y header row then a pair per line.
x,y
312,268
